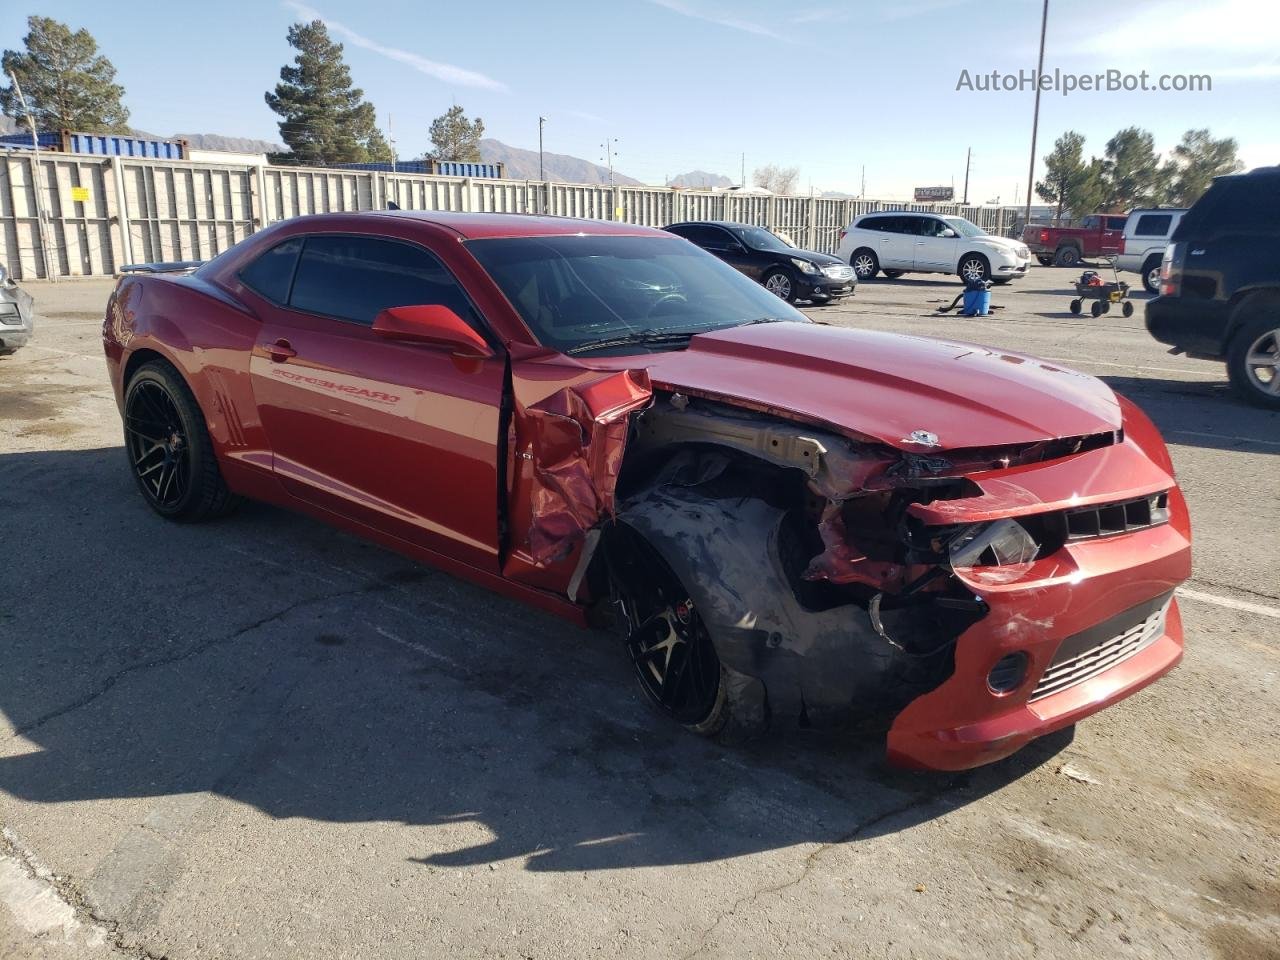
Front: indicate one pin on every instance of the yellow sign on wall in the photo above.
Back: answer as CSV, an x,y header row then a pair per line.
x,y
80,194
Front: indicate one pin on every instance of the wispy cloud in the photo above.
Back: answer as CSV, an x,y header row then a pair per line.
x,y
445,72
720,18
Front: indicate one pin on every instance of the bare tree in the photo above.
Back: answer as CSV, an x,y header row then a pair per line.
x,y
776,179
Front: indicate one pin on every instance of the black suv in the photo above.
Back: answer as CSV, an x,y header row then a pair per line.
x,y
1220,283
790,273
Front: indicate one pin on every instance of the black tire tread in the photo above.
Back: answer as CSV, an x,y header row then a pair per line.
x,y
216,499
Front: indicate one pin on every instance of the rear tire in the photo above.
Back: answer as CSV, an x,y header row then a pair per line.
x,y
865,264
1127,309
1253,358
1151,275
1095,309
894,274
1076,306
170,453
1066,257
1043,260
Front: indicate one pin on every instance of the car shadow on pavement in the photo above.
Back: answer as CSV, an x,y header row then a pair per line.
x,y
276,662
1202,413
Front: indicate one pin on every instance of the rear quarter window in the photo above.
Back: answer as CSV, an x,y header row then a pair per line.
x,y
272,273
1153,225
1244,204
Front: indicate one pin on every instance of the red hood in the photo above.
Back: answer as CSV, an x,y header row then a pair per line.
x,y
887,386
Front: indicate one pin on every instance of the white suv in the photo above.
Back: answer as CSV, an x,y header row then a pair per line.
x,y
899,241
1146,234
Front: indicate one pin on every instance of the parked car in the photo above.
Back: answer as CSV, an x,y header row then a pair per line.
x,y
1220,283
1098,235
17,314
787,522
779,266
1146,234
902,241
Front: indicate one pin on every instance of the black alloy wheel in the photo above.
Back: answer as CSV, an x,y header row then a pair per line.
x,y
669,646
158,444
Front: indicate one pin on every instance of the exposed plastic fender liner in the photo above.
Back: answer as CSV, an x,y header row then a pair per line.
x,y
568,434
726,553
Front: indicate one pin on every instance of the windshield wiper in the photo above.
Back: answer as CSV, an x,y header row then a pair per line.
x,y
748,323
638,338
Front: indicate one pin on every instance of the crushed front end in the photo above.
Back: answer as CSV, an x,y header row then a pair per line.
x,y
979,597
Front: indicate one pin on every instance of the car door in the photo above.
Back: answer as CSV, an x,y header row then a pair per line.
x,y
896,246
722,243
1112,235
400,436
935,250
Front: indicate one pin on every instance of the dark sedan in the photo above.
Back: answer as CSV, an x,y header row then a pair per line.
x,y
782,269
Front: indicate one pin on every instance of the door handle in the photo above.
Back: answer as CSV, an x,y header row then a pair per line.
x,y
280,351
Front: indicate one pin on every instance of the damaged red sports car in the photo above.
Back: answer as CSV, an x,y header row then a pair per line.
x,y
785,522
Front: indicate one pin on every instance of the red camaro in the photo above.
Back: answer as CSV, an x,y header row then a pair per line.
x,y
786,522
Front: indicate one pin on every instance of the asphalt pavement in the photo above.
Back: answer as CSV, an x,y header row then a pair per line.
x,y
262,738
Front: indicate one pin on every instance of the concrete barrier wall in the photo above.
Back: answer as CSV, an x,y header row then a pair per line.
x,y
101,213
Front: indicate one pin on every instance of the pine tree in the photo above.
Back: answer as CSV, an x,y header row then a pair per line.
x,y
1069,181
1196,161
326,119
1132,175
66,82
454,137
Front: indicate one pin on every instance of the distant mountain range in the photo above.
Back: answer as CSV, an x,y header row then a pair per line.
x,y
560,167
701,180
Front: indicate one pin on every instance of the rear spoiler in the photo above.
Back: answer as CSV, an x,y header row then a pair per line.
x,y
174,266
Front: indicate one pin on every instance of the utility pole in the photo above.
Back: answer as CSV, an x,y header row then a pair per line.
x,y
38,179
1035,122
968,156
609,154
742,183
542,175
862,193
391,139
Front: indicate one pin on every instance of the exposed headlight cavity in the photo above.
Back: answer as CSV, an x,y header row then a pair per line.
x,y
1001,543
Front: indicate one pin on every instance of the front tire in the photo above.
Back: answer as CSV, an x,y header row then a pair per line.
x,y
170,453
894,274
1253,359
974,266
865,264
670,648
1044,261
780,284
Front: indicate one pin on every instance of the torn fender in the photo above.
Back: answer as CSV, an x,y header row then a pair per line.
x,y
566,438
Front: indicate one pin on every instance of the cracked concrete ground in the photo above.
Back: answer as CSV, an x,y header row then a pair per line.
x,y
263,738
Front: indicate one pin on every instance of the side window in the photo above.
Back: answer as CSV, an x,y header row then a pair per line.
x,y
931,227
1089,223
272,273
1153,225
1116,223
907,225
1249,203
719,239
356,278
871,223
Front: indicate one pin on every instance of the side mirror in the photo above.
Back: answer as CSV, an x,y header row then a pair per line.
x,y
949,233
433,324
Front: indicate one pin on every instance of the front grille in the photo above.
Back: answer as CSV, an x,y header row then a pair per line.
x,y
1109,519
838,272
1081,658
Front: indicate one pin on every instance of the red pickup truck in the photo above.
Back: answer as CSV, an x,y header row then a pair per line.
x,y
1096,235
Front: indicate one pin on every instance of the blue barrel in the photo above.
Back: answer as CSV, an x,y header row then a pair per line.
x,y
977,303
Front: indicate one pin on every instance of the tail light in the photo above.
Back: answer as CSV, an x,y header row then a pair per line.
x,y
1170,272
843,233
1044,236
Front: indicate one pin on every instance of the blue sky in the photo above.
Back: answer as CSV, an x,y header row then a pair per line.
x,y
826,86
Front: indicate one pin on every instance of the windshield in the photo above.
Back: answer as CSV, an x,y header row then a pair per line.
x,y
577,292
963,227
758,238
